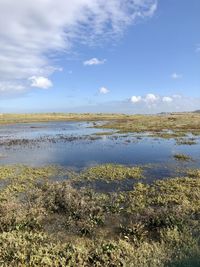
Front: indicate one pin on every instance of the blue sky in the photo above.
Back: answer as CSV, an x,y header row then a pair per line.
x,y
134,56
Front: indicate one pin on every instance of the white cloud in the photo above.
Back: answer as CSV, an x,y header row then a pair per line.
x,y
40,82
136,99
148,99
94,61
176,76
6,87
176,96
167,99
104,90
151,98
179,103
30,31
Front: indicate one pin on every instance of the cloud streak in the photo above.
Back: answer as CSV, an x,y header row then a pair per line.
x,y
31,31
94,61
176,76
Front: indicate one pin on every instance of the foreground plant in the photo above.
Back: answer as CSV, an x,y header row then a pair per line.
x,y
182,157
48,223
111,172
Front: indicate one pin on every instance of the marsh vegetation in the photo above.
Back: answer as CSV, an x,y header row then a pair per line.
x,y
60,215
179,124
172,125
182,157
44,222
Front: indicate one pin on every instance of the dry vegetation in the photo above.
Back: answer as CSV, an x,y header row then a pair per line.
x,y
165,126
47,117
172,125
48,223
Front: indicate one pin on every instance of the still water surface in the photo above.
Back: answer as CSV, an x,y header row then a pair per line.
x,y
76,145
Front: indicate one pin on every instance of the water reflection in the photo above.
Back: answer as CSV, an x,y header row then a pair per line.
x,y
75,144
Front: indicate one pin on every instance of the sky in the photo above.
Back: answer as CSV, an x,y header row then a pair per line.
x,y
118,56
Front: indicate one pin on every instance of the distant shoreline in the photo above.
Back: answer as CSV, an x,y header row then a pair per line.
x,y
172,125
12,118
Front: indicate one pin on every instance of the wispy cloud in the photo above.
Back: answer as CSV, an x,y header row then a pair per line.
x,y
176,76
31,30
167,99
6,87
94,61
197,48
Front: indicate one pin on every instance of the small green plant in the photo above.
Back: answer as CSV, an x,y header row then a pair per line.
x,y
182,157
111,172
184,141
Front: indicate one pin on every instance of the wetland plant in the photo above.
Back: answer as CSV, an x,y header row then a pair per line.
x,y
111,172
182,157
48,223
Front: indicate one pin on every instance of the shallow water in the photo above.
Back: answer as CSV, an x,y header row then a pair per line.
x,y
74,144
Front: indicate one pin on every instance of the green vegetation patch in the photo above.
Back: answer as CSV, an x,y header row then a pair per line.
x,y
15,179
166,135
182,157
23,172
111,172
167,126
186,141
34,249
104,133
55,224
193,173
